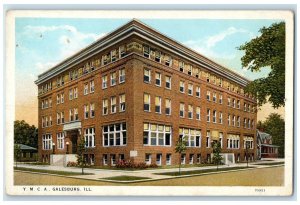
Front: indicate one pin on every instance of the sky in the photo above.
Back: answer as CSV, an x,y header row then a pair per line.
x,y
42,43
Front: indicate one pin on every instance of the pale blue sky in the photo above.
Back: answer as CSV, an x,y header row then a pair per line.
x,y
43,42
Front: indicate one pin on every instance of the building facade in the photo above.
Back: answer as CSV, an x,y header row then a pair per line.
x,y
134,93
265,146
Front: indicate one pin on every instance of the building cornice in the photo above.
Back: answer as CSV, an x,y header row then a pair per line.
x,y
136,28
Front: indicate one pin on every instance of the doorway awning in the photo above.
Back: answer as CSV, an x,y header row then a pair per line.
x,y
72,126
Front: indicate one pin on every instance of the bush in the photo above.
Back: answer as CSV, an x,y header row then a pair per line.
x,y
72,164
122,164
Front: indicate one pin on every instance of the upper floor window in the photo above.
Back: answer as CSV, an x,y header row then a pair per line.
x,y
113,104
220,117
122,75
214,97
158,79
86,111
181,66
233,120
71,115
181,88
208,77
47,142
198,113
228,120
208,95
220,98
113,55
190,112
113,77
75,92
233,103
146,102
168,107
238,122
105,107
92,86
158,104
190,68
147,75
214,116
157,56
86,89
71,94
198,92
168,60
190,89
76,114
122,51
245,107
122,103
60,140
221,82
228,102
208,115
181,111
168,82
238,104
146,50
104,81
92,110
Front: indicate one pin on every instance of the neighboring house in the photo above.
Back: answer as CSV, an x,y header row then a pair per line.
x,y
265,147
134,93
28,153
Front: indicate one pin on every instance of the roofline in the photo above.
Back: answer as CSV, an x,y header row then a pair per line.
x,y
88,51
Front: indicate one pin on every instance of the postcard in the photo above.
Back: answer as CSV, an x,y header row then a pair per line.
x,y
149,103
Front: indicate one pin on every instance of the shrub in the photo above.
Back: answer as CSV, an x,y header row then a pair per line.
x,y
122,164
72,164
153,165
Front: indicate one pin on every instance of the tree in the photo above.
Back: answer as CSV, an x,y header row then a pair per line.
x,y
247,152
180,148
275,126
217,158
17,153
25,133
81,149
267,50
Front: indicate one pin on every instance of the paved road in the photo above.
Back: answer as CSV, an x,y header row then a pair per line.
x,y
272,176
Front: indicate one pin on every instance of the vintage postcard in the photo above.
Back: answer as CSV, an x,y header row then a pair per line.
x,y
149,103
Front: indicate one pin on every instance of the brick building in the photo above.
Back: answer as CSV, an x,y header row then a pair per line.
x,y
133,93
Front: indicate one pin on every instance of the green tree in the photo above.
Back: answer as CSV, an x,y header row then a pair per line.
x,y
17,153
25,134
275,126
81,149
180,148
217,158
267,50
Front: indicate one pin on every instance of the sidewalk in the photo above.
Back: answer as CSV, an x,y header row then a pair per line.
x,y
99,174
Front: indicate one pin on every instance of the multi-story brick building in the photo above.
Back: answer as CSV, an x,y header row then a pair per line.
x,y
134,93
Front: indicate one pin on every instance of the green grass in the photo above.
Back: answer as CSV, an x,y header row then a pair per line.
x,y
200,171
126,178
50,171
270,163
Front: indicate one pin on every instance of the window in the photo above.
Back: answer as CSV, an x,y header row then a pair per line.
x,y
168,159
50,120
249,123
146,50
238,123
228,102
168,107
157,135
47,122
238,104
198,92
233,103
249,141
198,158
221,139
233,141
249,108
104,82
252,124
75,90
122,103
158,159
86,111
50,102
113,104
62,117
86,89
158,104
245,122
47,142
71,94
214,116
148,159
191,159
113,160
168,82
221,82
190,89
113,77
208,139
182,158
114,134
43,122
181,86
147,75
57,118
190,70
122,51
105,107
233,120
60,140
190,112
158,79
208,77
92,86
71,115
220,117
245,107
105,159
89,137
76,114
191,136
122,75
92,110
157,56
208,95
214,97
220,98
181,66
168,60
113,55
147,102
228,120
198,113
181,111
208,115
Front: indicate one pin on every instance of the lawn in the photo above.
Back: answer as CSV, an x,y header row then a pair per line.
x,y
270,163
194,172
126,178
50,171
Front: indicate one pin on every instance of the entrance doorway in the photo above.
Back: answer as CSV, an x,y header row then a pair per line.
x,y
74,144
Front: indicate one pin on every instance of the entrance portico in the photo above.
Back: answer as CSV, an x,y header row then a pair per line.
x,y
72,132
